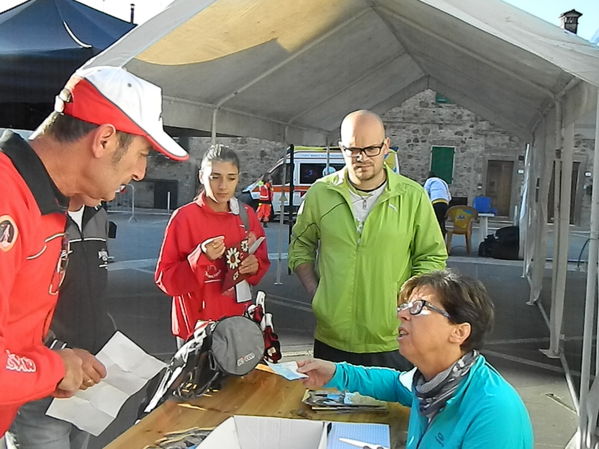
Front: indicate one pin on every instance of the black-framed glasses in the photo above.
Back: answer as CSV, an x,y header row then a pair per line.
x,y
371,151
61,266
417,307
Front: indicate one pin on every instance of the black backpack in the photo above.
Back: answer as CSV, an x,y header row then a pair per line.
x,y
504,244
231,346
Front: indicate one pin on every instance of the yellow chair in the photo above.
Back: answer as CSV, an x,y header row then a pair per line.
x,y
459,221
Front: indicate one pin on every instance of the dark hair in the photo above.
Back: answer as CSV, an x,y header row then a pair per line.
x,y
465,299
65,128
220,153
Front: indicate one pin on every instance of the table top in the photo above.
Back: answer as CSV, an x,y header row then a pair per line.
x,y
259,393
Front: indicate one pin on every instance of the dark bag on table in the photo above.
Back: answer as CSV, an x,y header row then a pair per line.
x,y
231,346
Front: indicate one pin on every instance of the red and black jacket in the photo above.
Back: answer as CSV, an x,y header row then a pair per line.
x,y
32,223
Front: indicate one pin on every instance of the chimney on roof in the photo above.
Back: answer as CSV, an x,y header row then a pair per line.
x,y
569,20
132,12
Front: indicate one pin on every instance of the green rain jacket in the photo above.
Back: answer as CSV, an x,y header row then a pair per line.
x,y
361,273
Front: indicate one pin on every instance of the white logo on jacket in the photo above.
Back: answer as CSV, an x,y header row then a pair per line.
x,y
19,363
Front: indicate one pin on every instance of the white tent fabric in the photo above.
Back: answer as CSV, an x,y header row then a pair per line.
x,y
267,68
290,71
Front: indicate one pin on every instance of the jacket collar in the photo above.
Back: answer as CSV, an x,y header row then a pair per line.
x,y
339,181
32,170
200,200
480,361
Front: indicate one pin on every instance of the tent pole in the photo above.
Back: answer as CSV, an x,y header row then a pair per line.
x,y
591,289
564,230
213,129
524,220
540,225
559,208
557,309
282,211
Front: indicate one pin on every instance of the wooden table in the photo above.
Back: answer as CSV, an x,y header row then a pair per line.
x,y
259,393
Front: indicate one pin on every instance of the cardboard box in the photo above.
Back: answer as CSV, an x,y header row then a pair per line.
x,y
253,432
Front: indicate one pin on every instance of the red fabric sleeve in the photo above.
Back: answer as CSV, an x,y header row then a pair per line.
x,y
174,275
262,251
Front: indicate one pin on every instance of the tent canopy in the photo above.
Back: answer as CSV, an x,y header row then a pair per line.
x,y
43,41
292,70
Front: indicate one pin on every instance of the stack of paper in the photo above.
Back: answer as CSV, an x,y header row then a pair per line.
x,y
337,401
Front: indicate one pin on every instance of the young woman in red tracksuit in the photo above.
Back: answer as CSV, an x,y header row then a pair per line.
x,y
191,265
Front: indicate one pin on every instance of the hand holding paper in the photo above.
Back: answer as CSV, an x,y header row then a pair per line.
x,y
214,247
288,370
128,367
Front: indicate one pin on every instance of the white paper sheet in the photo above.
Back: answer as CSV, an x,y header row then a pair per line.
x,y
128,369
288,370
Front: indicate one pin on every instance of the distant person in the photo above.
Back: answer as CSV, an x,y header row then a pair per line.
x,y
191,266
438,192
457,399
264,211
104,125
80,321
361,232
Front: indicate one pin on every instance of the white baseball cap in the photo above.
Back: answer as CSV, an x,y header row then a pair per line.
x,y
112,95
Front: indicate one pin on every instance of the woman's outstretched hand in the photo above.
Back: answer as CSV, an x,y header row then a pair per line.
x,y
319,372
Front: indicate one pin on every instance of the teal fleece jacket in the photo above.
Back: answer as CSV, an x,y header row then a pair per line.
x,y
362,270
484,413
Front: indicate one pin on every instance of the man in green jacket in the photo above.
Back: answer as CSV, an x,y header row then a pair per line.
x,y
360,234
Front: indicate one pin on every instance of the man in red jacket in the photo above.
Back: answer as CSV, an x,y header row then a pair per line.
x,y
104,125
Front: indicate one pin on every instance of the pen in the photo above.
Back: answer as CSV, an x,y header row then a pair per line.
x,y
361,444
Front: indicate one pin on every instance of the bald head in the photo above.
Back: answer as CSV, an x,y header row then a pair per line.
x,y
361,129
364,148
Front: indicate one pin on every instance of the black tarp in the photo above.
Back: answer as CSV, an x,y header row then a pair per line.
x,y
41,43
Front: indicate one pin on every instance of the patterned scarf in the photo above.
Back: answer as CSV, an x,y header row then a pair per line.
x,y
434,394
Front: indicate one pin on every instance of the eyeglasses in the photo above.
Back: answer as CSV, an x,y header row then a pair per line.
x,y
371,151
417,307
61,267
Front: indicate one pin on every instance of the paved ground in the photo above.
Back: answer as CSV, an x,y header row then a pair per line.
x,y
143,313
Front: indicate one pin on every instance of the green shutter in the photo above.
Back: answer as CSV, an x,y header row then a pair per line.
x,y
442,162
442,99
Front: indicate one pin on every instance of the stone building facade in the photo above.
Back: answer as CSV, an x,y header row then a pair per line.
x,y
487,160
427,121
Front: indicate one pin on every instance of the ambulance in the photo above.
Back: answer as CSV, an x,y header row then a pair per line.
x,y
310,164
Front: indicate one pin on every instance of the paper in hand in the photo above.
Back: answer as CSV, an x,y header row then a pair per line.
x,y
129,368
288,370
254,246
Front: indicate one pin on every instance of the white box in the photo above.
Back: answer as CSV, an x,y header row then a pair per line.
x,y
254,432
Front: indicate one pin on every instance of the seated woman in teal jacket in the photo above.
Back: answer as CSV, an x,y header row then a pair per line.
x,y
458,400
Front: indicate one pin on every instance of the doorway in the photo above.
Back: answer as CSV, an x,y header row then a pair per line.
x,y
165,194
551,199
499,185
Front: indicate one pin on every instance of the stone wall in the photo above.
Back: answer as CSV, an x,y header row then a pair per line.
x,y
256,156
420,123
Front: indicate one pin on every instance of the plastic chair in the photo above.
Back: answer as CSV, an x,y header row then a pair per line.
x,y
459,221
483,205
